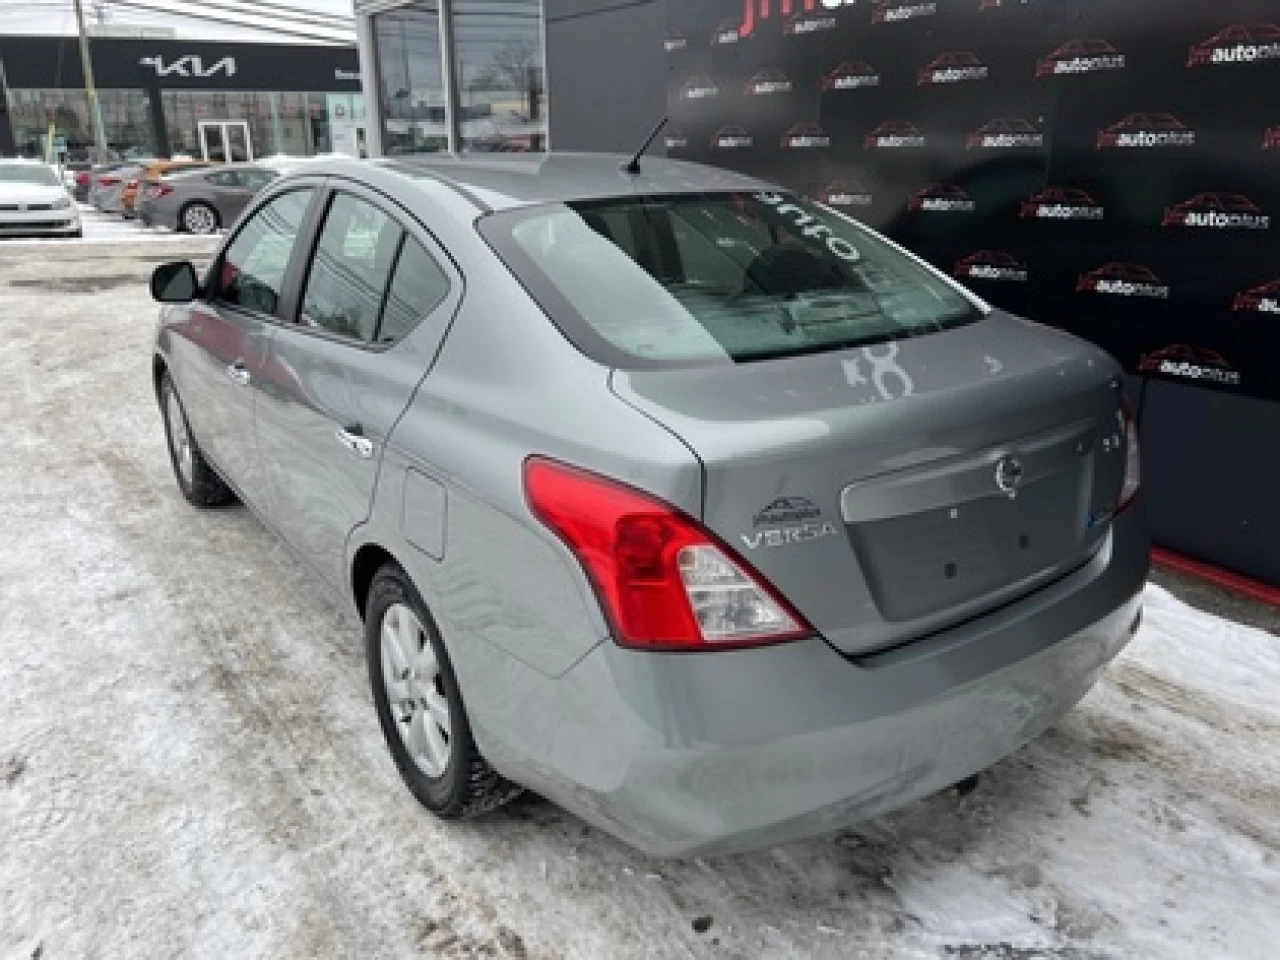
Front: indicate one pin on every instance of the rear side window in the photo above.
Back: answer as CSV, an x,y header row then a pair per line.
x,y
350,269
694,279
251,272
416,289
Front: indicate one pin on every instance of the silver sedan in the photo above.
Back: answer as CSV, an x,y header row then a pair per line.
x,y
691,504
203,201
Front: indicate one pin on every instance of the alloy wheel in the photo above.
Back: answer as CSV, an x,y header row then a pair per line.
x,y
179,437
415,690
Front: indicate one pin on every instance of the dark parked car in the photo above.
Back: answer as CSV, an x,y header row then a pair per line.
x,y
696,507
203,201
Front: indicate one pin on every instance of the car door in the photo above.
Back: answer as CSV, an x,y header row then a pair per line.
x,y
357,353
220,359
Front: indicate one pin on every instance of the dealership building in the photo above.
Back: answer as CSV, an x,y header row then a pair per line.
x,y
1112,169
163,95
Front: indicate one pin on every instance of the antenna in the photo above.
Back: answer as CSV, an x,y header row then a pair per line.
x,y
633,165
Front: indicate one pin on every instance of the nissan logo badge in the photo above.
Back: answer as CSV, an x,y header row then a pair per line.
x,y
1009,475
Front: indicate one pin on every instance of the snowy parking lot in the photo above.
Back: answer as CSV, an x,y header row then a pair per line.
x,y
190,765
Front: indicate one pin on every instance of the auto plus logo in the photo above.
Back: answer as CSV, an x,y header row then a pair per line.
x,y
845,193
1261,299
1005,133
1190,363
699,88
1080,56
804,136
1146,130
1238,43
1217,211
851,75
1123,280
894,134
731,137
804,16
766,82
1061,203
941,198
991,265
952,67
725,33
893,11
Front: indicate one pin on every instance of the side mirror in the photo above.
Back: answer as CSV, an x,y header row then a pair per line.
x,y
175,282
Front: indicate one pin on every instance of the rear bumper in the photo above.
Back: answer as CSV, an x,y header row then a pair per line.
x,y
716,753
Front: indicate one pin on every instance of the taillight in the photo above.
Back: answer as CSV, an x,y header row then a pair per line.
x,y
155,193
108,181
1132,459
131,185
82,178
664,581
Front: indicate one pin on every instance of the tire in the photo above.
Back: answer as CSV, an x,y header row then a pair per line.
x,y
464,785
198,481
199,218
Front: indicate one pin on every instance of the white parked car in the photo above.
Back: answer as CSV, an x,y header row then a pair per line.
x,y
35,202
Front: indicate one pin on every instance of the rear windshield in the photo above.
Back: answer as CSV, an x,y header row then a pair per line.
x,y
695,279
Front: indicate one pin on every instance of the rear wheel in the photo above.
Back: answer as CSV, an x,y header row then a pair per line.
x,y
199,217
196,479
420,706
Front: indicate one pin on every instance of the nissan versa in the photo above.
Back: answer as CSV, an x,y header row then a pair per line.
x,y
693,505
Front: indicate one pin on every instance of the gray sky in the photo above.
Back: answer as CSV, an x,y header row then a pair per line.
x,y
253,23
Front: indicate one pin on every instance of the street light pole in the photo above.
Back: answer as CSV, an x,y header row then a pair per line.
x,y
95,109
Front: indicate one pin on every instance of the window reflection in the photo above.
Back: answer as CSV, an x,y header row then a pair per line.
x,y
499,65
411,79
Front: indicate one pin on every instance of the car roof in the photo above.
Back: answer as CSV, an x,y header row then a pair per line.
x,y
503,181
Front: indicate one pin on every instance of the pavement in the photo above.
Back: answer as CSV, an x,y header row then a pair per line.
x,y
190,765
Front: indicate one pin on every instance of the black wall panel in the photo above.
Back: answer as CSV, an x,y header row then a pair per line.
x,y
1112,168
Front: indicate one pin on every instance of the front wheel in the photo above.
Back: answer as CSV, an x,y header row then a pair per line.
x,y
198,481
420,707
199,218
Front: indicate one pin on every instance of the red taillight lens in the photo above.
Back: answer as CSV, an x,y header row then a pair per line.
x,y
664,582
1132,459
108,181
155,193
131,185
82,178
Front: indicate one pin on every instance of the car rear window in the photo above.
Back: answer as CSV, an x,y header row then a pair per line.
x,y
696,279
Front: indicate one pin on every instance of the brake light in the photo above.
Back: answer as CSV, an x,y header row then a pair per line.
x,y
108,181
82,178
1132,459
155,193
664,581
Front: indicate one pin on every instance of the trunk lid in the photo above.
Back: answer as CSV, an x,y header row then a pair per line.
x,y
892,490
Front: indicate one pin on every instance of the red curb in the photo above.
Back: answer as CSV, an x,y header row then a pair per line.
x,y
1235,582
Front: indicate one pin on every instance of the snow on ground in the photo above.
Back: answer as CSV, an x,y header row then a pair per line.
x,y
106,228
190,764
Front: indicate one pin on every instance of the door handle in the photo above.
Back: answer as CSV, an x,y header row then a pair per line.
x,y
353,439
237,372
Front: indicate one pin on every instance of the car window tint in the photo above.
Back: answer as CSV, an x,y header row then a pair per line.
x,y
251,273
222,178
350,270
416,289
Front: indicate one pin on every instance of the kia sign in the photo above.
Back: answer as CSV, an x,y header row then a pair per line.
x,y
1110,168
190,65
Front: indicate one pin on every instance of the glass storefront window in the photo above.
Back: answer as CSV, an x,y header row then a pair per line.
x,y
411,79
126,118
500,69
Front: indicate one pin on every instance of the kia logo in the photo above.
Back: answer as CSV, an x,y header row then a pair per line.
x,y
190,65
